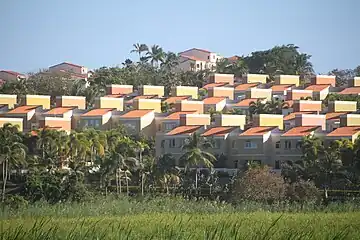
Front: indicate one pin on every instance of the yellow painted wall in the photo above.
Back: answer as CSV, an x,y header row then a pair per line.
x,y
287,79
259,93
185,91
152,90
8,99
254,78
342,106
269,120
13,121
33,100
350,120
107,102
153,104
227,120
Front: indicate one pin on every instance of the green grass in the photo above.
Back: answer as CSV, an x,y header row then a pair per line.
x,y
176,218
256,225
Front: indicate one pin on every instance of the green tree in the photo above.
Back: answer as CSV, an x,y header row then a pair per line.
x,y
156,55
139,48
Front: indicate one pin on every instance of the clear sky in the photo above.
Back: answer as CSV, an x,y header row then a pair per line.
x,y
39,33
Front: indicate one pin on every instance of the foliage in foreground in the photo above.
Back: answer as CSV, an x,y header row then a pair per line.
x,y
187,226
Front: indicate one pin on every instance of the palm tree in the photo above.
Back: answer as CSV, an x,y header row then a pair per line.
x,y
139,49
97,143
79,148
257,107
141,147
166,171
156,55
12,152
194,156
274,106
310,147
171,60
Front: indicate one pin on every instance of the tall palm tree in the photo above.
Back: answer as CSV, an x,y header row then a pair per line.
x,y
166,171
257,107
12,152
156,55
194,156
171,60
274,106
139,48
141,147
97,143
79,148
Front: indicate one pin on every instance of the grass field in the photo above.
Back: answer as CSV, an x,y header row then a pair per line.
x,y
174,218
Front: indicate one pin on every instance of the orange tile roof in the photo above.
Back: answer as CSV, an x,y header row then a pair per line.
x,y
335,115
176,115
211,85
317,88
301,131
136,113
257,131
218,131
59,110
245,86
213,100
291,116
22,109
281,87
142,97
184,130
172,100
246,102
97,112
344,132
351,90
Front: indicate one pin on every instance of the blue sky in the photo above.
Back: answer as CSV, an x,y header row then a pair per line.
x,y
39,33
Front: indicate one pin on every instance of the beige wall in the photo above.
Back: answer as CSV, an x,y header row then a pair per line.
x,y
221,78
323,79
152,90
307,106
227,120
14,121
259,93
69,68
41,100
185,91
71,101
218,107
350,120
109,102
342,106
8,99
297,94
194,119
119,89
63,123
254,78
355,82
143,104
287,79
268,120
310,120
188,105
227,92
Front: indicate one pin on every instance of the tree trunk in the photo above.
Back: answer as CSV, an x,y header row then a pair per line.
x,y
5,170
120,185
196,179
127,184
142,183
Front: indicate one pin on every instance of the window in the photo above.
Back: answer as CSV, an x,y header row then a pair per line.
x,y
170,126
277,144
213,56
209,57
233,144
236,164
287,145
162,143
172,143
250,145
298,144
197,65
277,164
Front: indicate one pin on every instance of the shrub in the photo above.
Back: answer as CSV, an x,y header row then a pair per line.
x,y
302,191
259,184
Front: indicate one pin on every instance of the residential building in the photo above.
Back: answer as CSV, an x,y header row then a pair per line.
x,y
241,89
342,106
57,118
350,120
8,99
189,105
244,104
289,120
188,91
298,94
115,89
227,92
323,80
279,92
13,121
147,104
196,59
152,90
36,100
255,78
138,121
320,92
221,78
333,120
11,76
215,103
195,119
228,120
310,120
172,100
28,114
355,82
69,67
98,118
287,79
307,106
171,121
110,101
268,120
351,91
71,101
211,85
351,133
259,93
